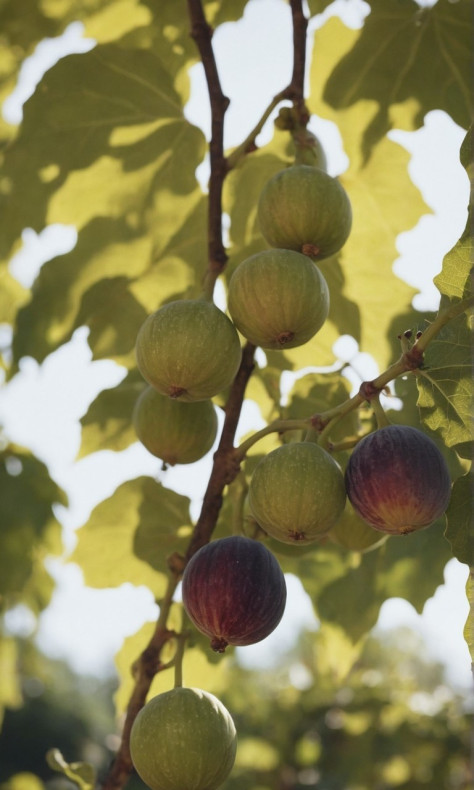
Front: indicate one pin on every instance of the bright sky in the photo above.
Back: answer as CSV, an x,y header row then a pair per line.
x,y
40,407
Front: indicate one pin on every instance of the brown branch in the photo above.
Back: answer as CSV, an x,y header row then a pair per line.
x,y
226,466
300,26
149,663
201,32
144,670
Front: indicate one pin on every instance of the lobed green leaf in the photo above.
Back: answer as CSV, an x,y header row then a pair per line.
x,y
129,536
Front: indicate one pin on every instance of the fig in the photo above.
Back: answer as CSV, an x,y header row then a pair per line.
x,y
397,480
234,591
354,534
183,739
176,432
296,493
303,208
278,299
188,350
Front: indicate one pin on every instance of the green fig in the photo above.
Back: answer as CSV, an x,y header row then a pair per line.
x,y
297,493
278,299
183,739
176,432
303,208
188,350
352,533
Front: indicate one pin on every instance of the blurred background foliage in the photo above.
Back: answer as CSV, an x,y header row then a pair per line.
x,y
392,723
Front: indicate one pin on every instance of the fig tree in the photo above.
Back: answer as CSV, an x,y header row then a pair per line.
x,y
297,493
397,480
278,299
188,350
234,591
303,208
183,739
176,432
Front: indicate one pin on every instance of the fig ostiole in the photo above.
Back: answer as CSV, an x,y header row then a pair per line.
x,y
183,739
397,480
234,591
278,299
188,350
303,208
175,431
297,493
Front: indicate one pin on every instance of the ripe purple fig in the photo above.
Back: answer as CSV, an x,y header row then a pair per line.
x,y
183,738
278,299
297,493
397,480
303,208
234,591
188,349
176,432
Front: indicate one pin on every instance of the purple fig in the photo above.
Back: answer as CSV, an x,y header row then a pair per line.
x,y
397,480
234,591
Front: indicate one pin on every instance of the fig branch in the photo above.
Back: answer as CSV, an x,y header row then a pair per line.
x,y
202,32
410,361
224,468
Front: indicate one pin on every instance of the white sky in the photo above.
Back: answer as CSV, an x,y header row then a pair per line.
x,y
40,407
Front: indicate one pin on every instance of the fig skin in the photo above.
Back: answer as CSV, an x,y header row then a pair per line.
x,y
278,299
234,591
303,208
188,350
354,534
397,480
297,493
176,432
183,739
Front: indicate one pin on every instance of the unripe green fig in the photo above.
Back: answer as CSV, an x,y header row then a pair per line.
x,y
234,591
303,208
176,432
397,480
354,534
297,493
188,350
183,739
278,299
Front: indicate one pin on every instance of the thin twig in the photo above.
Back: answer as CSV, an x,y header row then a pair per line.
x,y
294,91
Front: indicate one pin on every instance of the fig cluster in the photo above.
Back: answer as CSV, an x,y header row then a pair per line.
x,y
279,298
233,588
187,351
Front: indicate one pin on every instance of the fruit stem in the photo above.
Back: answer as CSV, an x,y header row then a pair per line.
x,y
237,493
279,426
178,660
380,416
409,362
